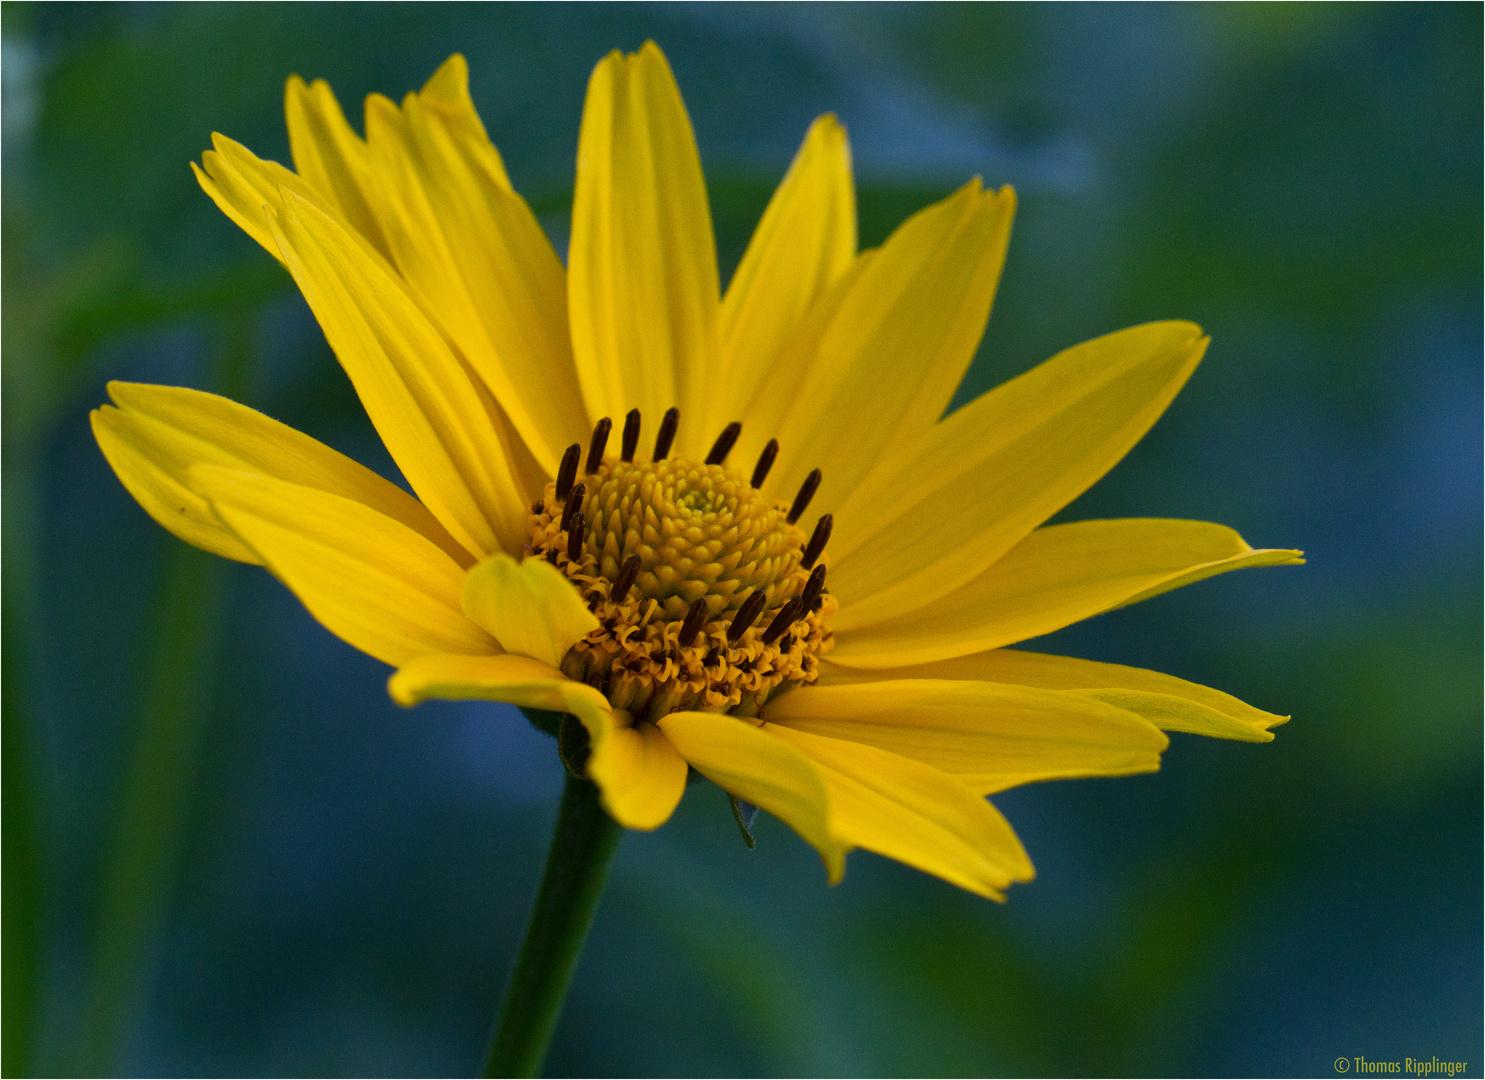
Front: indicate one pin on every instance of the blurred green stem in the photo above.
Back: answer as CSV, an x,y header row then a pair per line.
x,y
582,851
21,922
145,847
151,821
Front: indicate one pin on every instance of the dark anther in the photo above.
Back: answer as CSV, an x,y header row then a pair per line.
x,y
631,436
695,620
765,462
712,656
567,471
723,446
746,615
812,589
599,443
806,493
786,643
787,616
627,573
552,556
575,539
574,501
817,542
668,423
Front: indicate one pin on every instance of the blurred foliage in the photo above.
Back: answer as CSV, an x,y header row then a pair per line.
x,y
225,851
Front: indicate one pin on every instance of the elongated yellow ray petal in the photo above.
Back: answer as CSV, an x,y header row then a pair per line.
x,y
640,776
530,607
915,814
804,242
1055,577
941,510
980,732
370,580
778,388
476,259
158,432
246,188
435,420
755,765
1167,702
518,680
447,91
331,158
642,263
899,343
250,189
236,196
129,444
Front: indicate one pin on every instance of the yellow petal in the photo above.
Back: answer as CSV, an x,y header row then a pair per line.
x,y
237,198
435,420
370,580
518,680
447,90
1053,578
915,814
158,432
778,387
331,157
246,188
753,764
1166,701
639,775
942,509
476,259
899,344
804,242
642,263
127,442
530,607
987,735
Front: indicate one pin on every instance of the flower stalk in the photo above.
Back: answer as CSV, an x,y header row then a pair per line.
x,y
582,851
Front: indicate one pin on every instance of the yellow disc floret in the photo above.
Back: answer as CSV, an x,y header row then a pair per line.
x,y
700,531
706,594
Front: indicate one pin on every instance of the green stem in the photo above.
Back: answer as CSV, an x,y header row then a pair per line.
x,y
583,847
152,816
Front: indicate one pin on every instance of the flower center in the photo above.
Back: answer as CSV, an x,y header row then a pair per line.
x,y
707,594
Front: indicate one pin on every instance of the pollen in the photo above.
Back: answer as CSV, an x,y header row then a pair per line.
x,y
708,595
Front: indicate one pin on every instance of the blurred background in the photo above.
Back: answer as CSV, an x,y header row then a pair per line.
x,y
226,851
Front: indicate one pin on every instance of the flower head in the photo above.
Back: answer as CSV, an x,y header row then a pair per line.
x,y
786,568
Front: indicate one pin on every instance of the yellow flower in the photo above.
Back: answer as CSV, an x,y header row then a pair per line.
x,y
676,599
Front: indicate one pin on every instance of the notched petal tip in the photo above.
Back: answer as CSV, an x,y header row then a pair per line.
x,y
755,764
450,83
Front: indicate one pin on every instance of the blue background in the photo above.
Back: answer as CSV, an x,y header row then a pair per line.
x,y
226,851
